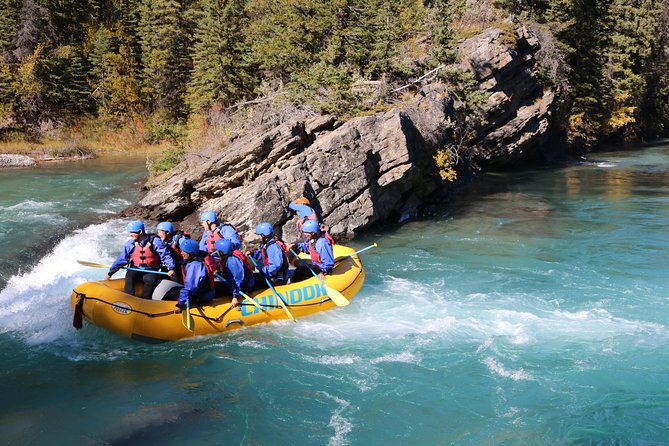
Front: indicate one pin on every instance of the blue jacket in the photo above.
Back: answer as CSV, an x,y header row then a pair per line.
x,y
157,245
274,259
197,285
236,276
227,231
303,211
324,250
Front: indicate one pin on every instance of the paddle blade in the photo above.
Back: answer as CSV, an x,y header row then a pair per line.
x,y
93,264
256,304
336,297
283,305
187,319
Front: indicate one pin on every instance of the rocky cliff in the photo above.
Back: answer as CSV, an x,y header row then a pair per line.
x,y
369,169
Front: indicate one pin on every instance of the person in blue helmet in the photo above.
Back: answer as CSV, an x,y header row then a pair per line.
x,y
320,250
213,232
146,252
271,256
199,287
236,268
305,213
171,238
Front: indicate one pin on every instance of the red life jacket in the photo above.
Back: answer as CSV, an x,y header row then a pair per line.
x,y
263,250
145,256
212,238
312,249
215,235
173,246
282,245
210,264
248,266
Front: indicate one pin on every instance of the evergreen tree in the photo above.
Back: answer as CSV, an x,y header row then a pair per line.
x,y
442,15
9,23
164,33
632,34
222,66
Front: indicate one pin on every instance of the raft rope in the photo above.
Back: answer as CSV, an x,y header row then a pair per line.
x,y
81,297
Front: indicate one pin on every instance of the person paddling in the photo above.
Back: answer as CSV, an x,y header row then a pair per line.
x,y
170,237
236,268
305,213
146,252
214,232
272,255
319,248
198,277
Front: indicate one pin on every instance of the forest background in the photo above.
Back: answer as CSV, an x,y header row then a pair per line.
x,y
79,75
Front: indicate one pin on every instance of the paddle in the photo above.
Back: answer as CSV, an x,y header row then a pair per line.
x,y
278,296
356,253
334,295
129,268
244,295
187,319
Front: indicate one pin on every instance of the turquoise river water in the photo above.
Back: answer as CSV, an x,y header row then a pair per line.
x,y
533,311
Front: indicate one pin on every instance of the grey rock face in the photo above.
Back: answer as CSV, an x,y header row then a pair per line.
x,y
367,170
518,110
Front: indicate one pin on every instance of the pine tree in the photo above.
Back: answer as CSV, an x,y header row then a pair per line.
x,y
632,33
9,23
165,31
222,66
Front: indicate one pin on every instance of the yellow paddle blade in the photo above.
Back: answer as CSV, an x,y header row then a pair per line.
x,y
285,308
254,303
93,264
336,297
188,321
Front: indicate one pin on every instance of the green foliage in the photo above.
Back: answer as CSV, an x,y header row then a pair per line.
x,y
222,66
9,23
442,15
168,160
162,61
165,30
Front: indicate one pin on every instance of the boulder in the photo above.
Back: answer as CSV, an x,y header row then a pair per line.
x,y
367,170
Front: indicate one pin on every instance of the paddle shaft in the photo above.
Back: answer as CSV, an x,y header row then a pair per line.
x,y
269,284
356,253
129,268
336,297
244,295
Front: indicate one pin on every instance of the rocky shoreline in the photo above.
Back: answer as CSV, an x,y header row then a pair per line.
x,y
371,169
8,160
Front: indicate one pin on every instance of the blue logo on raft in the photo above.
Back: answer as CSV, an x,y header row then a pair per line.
x,y
292,297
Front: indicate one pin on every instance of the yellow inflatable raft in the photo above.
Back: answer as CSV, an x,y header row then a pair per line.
x,y
106,305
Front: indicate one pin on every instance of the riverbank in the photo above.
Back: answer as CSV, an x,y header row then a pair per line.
x,y
17,152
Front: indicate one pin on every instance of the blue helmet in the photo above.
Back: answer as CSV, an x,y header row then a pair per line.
x,y
165,226
208,216
264,228
224,245
190,246
310,226
136,226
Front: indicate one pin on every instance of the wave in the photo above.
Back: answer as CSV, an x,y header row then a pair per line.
x,y
36,300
